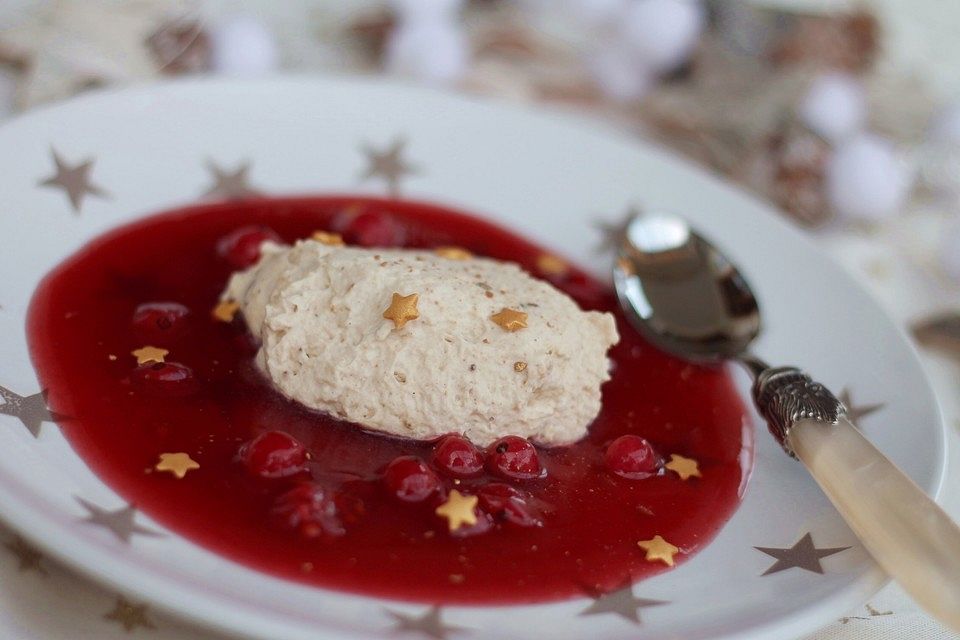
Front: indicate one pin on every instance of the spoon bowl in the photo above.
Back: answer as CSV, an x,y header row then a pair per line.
x,y
682,293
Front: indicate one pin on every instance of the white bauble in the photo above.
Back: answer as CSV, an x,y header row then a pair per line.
x,y
835,106
663,33
866,180
950,249
434,52
618,74
242,45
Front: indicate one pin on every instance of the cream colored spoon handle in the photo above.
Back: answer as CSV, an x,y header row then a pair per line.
x,y
902,528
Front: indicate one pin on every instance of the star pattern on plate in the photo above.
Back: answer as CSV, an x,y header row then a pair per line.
x,y
28,558
74,179
120,522
31,410
621,602
612,233
230,185
130,615
389,165
803,555
857,412
430,624
941,332
871,613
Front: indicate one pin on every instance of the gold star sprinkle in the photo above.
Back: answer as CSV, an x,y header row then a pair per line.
x,y
453,253
332,239
551,265
149,354
684,467
225,310
510,319
402,309
659,549
176,463
519,366
458,510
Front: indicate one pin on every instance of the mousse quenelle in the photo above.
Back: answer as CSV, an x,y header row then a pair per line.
x,y
423,343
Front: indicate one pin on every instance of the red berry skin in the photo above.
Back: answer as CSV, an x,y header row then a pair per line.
x,y
631,457
410,480
514,458
165,379
310,510
370,229
160,322
274,454
241,247
456,457
508,504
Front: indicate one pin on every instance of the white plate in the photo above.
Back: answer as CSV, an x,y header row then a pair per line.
x,y
547,176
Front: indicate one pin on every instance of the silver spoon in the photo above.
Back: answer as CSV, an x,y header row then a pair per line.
x,y
686,297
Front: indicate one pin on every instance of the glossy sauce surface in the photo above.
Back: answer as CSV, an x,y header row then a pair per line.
x,y
81,335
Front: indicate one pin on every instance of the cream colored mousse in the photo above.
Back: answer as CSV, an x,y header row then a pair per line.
x,y
420,343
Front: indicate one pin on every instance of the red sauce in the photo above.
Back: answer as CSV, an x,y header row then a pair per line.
x,y
81,316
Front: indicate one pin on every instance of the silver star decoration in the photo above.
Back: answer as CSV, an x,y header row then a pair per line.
x,y
120,522
130,615
28,557
873,613
854,411
612,233
803,555
389,165
74,180
429,624
230,185
940,332
32,411
621,602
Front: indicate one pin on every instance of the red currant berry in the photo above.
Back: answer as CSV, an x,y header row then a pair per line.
x,y
308,509
410,480
507,504
241,247
631,457
165,379
160,322
274,454
370,229
456,456
514,458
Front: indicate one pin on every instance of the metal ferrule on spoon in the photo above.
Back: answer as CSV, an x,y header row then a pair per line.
x,y
687,298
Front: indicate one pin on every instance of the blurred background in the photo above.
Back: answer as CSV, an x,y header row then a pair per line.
x,y
844,115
